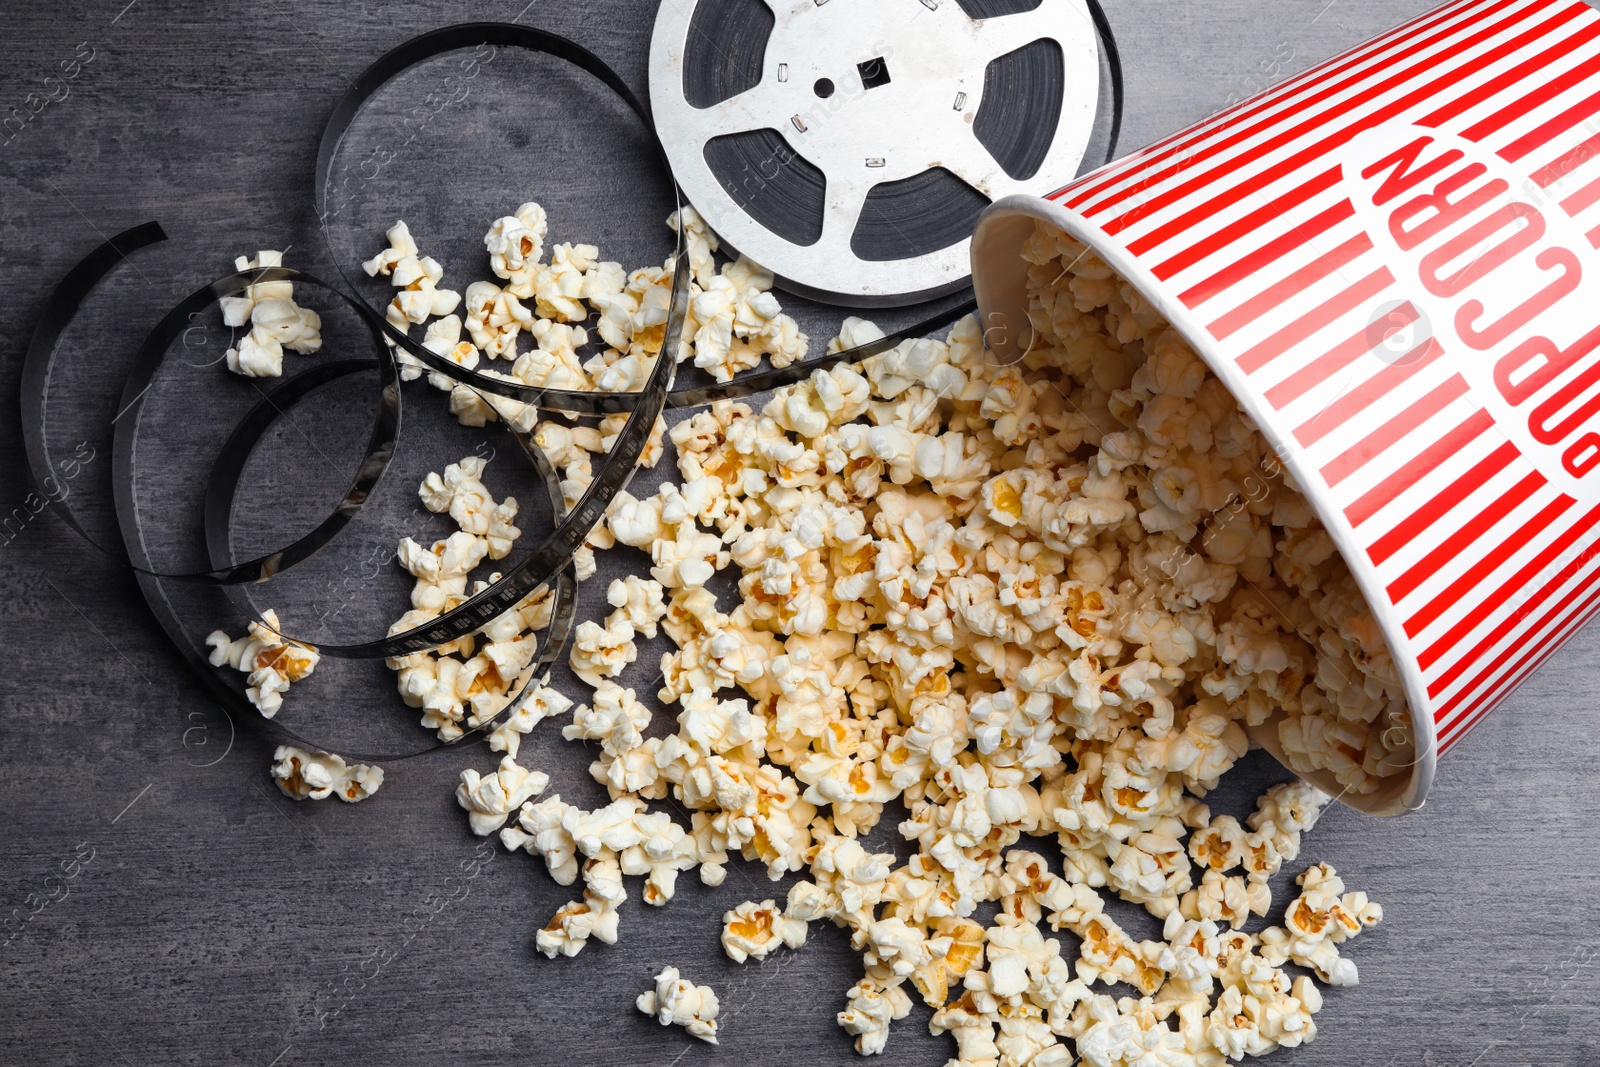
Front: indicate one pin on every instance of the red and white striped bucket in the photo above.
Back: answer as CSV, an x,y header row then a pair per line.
x,y
1440,184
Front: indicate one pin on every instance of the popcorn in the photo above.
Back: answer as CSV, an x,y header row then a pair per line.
x,y
441,569
401,247
677,1001
463,495
664,850
489,800
1043,600
237,310
276,322
616,719
272,663
495,319
303,775
416,276
558,284
1321,918
574,924
460,492
638,601
754,931
256,357
1282,815
540,828
471,691
870,1010
739,320
972,1030
614,372
287,324
443,338
543,703
955,946
514,243
600,652
688,558
827,399
700,240
1226,900
1151,869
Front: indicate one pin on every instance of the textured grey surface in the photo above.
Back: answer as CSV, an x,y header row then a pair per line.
x,y
169,906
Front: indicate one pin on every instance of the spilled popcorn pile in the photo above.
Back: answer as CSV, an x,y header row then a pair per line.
x,y
1043,599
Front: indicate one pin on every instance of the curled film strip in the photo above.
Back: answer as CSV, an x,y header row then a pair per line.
x,y
548,564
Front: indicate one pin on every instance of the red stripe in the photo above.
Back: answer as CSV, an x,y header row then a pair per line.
x,y
1319,370
1460,730
1093,185
1325,367
1457,543
1524,666
1428,461
1461,727
1484,32
1336,84
1442,502
1463,696
1520,669
1555,127
1594,236
1507,593
1518,77
1459,590
1541,92
1268,123
1367,394
1508,675
1255,220
1264,256
1245,185
1331,362
1330,310
1373,390
1280,292
1582,199
1567,162
1378,441
1263,215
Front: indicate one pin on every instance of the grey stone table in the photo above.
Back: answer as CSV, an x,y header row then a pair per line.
x,y
170,906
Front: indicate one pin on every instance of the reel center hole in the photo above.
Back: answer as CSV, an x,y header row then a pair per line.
x,y
823,88
874,72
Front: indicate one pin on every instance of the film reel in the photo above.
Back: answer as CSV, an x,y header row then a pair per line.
x,y
849,145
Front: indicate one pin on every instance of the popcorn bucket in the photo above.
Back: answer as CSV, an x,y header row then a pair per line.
x,y
1390,260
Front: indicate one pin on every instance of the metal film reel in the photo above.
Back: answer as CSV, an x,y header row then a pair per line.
x,y
849,145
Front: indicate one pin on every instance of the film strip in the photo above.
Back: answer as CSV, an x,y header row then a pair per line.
x,y
547,565
225,478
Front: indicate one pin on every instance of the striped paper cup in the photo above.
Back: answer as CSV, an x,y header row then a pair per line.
x,y
1391,261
